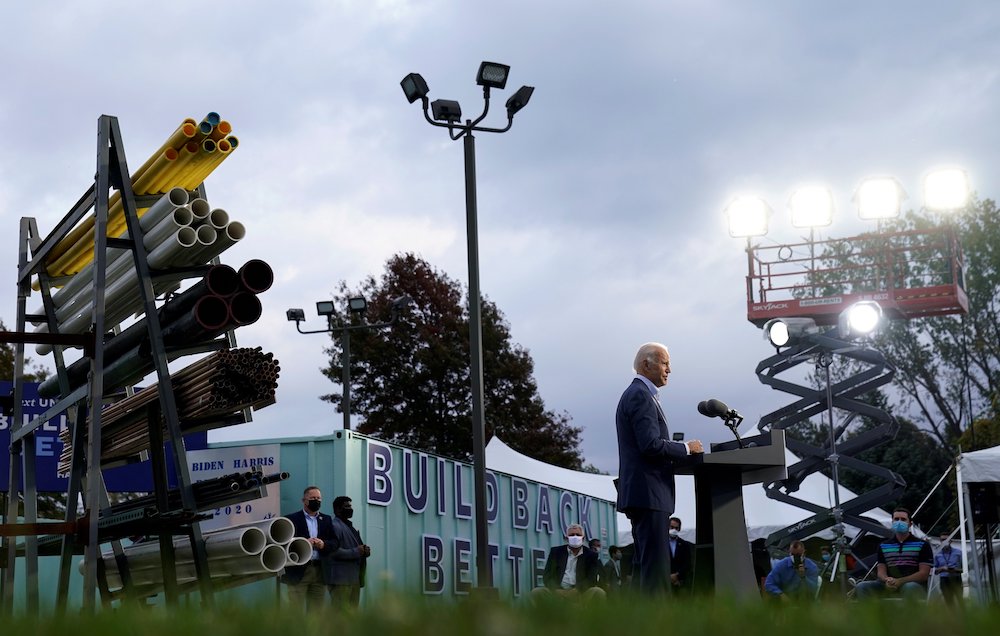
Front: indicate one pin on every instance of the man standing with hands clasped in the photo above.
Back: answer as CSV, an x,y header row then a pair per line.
x,y
646,460
348,557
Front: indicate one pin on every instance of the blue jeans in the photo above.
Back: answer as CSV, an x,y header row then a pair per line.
x,y
911,591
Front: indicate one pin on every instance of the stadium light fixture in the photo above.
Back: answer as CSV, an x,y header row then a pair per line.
x,y
811,206
946,190
492,75
748,216
786,332
879,198
414,87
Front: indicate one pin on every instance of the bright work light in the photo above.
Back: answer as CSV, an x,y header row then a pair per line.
x,y
748,216
859,320
811,206
879,198
785,332
946,190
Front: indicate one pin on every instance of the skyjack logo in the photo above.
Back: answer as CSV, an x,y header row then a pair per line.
x,y
770,306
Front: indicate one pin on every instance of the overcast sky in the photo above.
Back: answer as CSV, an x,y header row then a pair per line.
x,y
600,212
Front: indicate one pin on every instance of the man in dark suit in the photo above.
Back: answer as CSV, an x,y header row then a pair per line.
x,y
680,558
646,459
571,570
348,557
307,583
611,575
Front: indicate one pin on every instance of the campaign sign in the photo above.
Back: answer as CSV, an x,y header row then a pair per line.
x,y
136,477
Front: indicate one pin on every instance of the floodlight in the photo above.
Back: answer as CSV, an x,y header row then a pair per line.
x,y
879,198
519,100
492,75
400,303
748,216
859,320
946,190
414,87
785,332
357,304
446,110
325,308
295,315
811,206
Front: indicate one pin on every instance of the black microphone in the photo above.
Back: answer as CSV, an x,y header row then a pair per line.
x,y
714,408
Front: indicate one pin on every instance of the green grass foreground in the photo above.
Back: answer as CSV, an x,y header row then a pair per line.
x,y
438,617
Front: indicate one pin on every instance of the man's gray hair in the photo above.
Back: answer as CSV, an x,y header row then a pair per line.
x,y
575,525
647,352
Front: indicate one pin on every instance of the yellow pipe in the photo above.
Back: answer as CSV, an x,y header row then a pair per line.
x,y
220,131
208,149
164,179
189,154
201,171
142,184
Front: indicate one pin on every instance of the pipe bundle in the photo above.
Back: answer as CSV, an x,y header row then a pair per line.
x,y
258,548
177,232
220,384
184,160
224,298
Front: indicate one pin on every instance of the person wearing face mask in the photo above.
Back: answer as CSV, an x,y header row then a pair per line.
x,y
571,570
307,583
948,567
680,558
348,557
611,574
793,578
904,563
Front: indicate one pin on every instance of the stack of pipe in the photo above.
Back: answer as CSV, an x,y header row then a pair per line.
x,y
259,548
177,232
184,160
223,299
222,383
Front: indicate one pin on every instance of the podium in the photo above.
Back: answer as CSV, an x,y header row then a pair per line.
x,y
722,560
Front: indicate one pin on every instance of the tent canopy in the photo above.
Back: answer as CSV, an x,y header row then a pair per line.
x,y
763,515
981,465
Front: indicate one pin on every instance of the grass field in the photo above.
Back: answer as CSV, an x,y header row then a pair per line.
x,y
438,617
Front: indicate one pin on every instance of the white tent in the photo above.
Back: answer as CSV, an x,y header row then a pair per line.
x,y
763,515
982,466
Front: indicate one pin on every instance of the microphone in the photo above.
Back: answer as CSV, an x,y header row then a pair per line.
x,y
715,408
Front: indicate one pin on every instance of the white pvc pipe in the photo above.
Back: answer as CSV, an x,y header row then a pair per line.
x,y
232,234
298,551
167,227
280,530
175,198
218,218
269,561
200,208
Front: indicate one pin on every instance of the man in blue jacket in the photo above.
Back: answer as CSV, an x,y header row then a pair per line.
x,y
307,583
646,460
348,557
795,577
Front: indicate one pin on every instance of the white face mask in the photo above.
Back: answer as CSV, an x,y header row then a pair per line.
x,y
575,541
674,533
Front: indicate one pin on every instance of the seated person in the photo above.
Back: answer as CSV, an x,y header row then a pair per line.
x,y
904,563
571,570
795,577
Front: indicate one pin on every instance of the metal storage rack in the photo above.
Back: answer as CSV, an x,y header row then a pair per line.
x,y
175,512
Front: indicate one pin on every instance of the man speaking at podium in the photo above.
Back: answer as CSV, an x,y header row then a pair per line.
x,y
646,459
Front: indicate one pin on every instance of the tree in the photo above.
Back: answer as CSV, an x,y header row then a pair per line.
x,y
410,382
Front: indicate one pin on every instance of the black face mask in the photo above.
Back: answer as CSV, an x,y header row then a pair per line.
x,y
347,513
313,505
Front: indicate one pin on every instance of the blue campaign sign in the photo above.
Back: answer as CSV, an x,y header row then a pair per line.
x,y
131,478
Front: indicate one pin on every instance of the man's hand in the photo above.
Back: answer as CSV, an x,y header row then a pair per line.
x,y
675,579
695,446
317,543
366,551
891,583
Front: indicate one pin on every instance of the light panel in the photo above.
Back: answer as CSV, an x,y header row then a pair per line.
x,y
859,320
748,216
879,198
811,206
946,190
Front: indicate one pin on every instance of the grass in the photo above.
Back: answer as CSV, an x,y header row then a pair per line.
x,y
407,616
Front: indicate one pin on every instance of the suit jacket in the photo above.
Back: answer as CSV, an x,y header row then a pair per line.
x,y
680,562
588,567
646,455
611,580
345,564
293,573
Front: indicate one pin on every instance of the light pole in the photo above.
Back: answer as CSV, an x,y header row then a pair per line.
x,y
490,75
356,306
